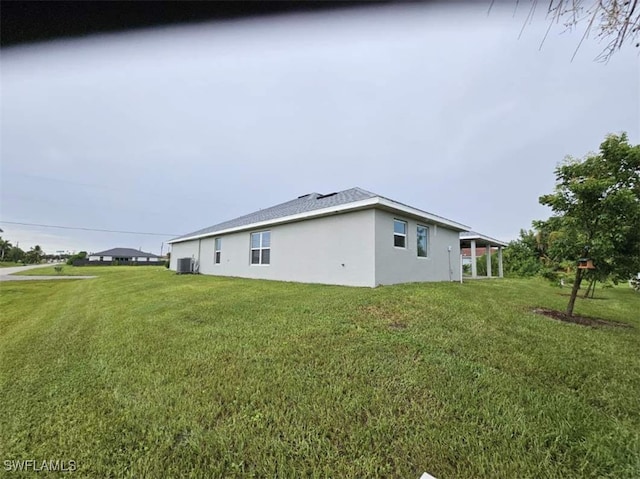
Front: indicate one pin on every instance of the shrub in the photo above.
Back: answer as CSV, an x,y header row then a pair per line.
x,y
80,255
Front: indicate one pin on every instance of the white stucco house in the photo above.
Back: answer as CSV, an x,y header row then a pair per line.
x,y
352,237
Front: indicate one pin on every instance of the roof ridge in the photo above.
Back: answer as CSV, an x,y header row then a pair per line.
x,y
120,250
362,190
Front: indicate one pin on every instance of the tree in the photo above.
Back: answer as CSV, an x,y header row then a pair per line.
x,y
77,256
522,257
596,202
15,254
614,21
34,255
5,246
481,264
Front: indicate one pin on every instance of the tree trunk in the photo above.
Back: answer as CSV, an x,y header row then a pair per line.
x,y
574,292
591,288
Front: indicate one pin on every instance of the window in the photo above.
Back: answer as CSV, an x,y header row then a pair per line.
x,y
261,247
422,233
217,248
399,234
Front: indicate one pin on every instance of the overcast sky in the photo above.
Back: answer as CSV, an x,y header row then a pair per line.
x,y
174,129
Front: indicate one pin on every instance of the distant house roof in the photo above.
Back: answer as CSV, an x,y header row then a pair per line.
x,y
125,253
316,205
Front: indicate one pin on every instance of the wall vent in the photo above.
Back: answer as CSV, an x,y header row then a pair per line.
x,y
327,195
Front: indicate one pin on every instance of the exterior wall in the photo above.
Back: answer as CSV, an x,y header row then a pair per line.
x,y
402,265
139,259
97,258
86,262
336,249
187,249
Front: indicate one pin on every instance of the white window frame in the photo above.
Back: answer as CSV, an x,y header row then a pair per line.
x,y
217,250
261,248
405,235
426,252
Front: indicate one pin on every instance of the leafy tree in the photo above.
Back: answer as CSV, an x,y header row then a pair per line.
x,y
522,256
5,246
34,255
481,264
556,246
15,254
80,255
596,202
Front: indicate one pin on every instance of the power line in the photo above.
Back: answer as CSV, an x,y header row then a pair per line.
x,y
88,229
97,186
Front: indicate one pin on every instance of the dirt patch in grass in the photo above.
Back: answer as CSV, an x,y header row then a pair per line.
x,y
394,317
397,325
582,320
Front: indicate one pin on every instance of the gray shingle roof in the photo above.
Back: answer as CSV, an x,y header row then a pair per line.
x,y
125,253
303,204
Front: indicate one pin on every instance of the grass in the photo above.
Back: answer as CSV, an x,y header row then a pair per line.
x,y
10,264
143,373
66,270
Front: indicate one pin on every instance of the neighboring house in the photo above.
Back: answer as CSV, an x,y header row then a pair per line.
x,y
123,255
480,251
352,237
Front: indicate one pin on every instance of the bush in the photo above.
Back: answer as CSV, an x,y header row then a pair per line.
x,y
77,256
481,265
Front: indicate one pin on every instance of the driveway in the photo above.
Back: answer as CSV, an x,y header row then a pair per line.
x,y
12,274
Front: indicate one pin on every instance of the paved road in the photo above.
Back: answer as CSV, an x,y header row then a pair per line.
x,y
9,274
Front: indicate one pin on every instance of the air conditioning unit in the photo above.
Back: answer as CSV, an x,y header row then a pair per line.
x,y
184,266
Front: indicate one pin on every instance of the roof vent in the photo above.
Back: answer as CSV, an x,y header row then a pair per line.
x,y
327,195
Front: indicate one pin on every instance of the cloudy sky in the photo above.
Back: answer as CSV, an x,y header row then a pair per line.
x,y
174,129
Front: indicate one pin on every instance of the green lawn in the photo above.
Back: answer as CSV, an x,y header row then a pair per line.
x,y
67,270
144,373
10,264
